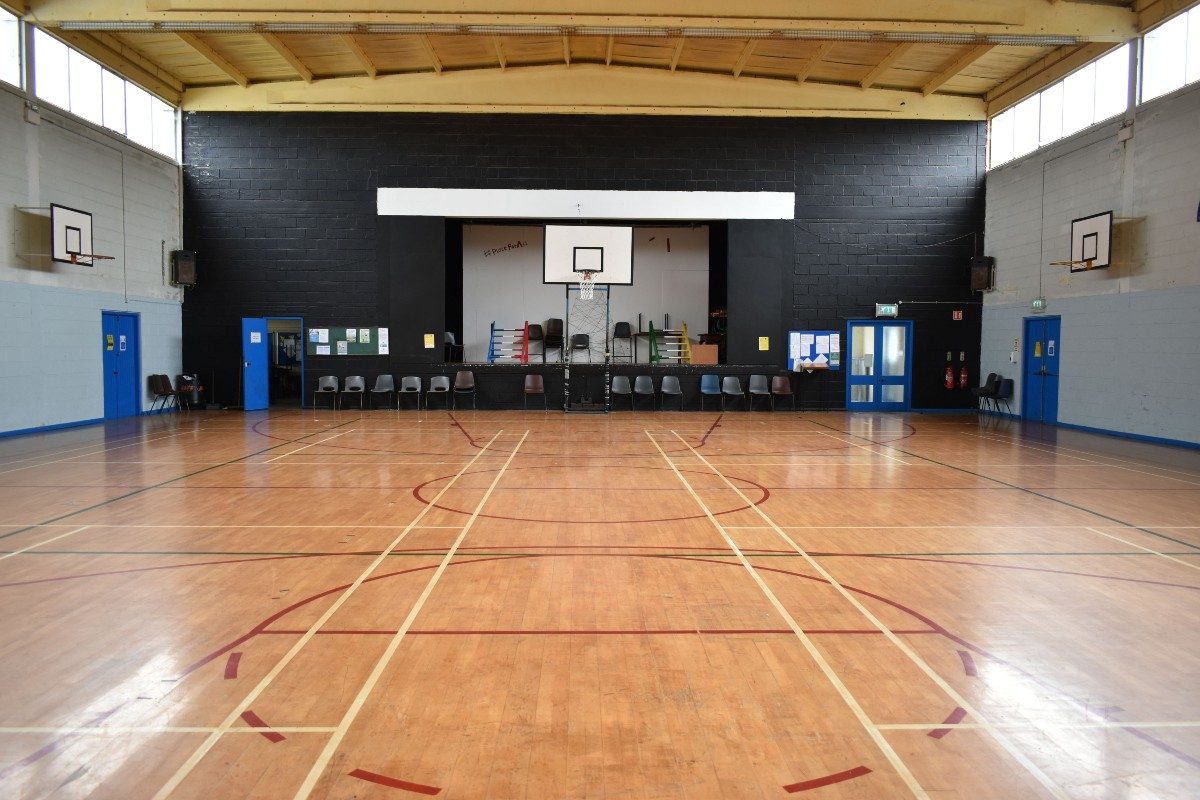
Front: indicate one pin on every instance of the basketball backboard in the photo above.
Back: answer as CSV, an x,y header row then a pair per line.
x,y
1091,242
571,250
71,236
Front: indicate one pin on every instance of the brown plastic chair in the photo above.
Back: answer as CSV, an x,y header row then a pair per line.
x,y
781,386
553,338
464,383
535,384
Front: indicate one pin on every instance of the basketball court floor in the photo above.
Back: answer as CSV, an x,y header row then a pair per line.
x,y
638,605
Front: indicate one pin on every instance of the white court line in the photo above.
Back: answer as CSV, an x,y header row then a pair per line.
x,y
1147,549
1091,461
899,643
305,447
1021,726
331,746
93,453
105,730
45,541
864,447
127,440
831,675
234,715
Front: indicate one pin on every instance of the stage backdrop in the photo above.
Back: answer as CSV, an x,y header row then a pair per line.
x,y
502,281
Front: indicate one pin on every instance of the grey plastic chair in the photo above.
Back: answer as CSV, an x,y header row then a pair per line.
x,y
758,388
620,385
409,384
731,386
327,384
438,384
355,384
671,388
643,386
384,384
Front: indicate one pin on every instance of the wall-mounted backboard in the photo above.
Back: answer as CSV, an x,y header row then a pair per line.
x,y
71,236
570,250
1091,242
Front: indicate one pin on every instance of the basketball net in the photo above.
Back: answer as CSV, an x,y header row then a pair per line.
x,y
587,285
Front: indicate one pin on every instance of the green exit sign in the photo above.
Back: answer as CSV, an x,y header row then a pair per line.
x,y
887,309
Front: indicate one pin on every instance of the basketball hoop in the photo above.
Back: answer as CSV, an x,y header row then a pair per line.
x,y
88,258
587,285
1082,265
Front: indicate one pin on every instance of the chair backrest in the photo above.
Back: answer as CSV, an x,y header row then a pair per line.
x,y
758,384
992,383
327,383
385,383
438,383
709,384
781,384
1005,392
643,384
581,341
670,385
449,338
534,384
554,327
355,383
155,385
464,380
535,332
731,384
410,383
620,385
623,330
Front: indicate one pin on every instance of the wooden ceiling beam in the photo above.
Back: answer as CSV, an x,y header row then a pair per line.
x,y
678,52
816,58
498,46
1038,76
894,55
152,78
356,48
433,56
216,59
608,52
566,41
287,55
965,60
747,51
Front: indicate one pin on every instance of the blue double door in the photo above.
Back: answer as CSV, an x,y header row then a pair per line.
x,y
1040,372
880,361
122,364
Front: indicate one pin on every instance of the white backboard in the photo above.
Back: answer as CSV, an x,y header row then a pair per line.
x,y
606,250
70,235
1091,239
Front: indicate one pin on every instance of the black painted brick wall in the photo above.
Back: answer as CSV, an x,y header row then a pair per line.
x,y
281,209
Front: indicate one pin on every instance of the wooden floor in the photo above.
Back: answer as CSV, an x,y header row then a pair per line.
x,y
649,605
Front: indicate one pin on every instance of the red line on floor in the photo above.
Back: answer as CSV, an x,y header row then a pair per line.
x,y
713,427
231,666
458,425
47,749
394,783
956,716
817,783
587,632
255,721
968,663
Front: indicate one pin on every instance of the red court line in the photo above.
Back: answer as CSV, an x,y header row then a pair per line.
x,y
968,663
716,424
458,425
826,780
231,666
394,783
255,721
45,750
590,632
956,716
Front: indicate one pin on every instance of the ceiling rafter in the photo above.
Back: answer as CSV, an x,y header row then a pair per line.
x,y
747,51
608,51
894,55
678,52
287,55
433,56
356,48
119,59
498,46
965,60
566,42
216,59
816,58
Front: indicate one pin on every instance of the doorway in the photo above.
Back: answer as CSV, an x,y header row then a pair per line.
x,y
880,376
122,364
272,362
1039,372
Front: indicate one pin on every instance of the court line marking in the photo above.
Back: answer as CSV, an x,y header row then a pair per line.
x,y
885,747
964,527
44,541
900,644
1147,549
1017,726
855,444
94,453
1056,448
334,741
1091,462
202,750
128,440
305,447
104,730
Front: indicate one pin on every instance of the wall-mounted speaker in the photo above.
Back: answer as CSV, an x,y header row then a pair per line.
x,y
983,273
183,267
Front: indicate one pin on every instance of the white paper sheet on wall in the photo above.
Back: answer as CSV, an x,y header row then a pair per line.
x,y
822,344
322,349
351,334
383,341
343,348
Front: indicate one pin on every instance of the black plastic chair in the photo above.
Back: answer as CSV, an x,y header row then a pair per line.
x,y
327,384
553,338
758,388
537,336
643,386
580,341
409,384
781,386
987,393
385,385
464,383
1004,394
452,347
438,385
671,388
535,384
623,332
355,384
620,385
731,386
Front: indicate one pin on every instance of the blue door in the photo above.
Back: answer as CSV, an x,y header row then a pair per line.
x,y
122,365
880,374
256,361
1039,379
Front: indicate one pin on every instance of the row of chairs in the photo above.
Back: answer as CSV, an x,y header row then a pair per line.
x,y
551,337
995,390
161,388
725,388
356,385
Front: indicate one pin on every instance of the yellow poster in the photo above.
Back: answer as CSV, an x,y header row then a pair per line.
x,y
429,341
764,343
109,342
1037,349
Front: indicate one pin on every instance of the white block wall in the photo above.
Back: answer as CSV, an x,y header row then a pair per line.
x,y
50,339
1130,350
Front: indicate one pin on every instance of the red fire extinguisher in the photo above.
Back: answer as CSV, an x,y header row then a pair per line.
x,y
949,382
962,377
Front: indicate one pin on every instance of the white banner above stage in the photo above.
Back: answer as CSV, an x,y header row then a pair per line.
x,y
593,204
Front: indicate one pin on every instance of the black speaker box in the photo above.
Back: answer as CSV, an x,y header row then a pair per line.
x,y
982,271
183,267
